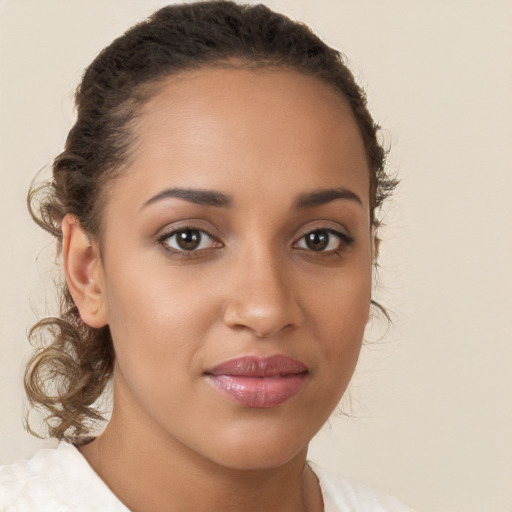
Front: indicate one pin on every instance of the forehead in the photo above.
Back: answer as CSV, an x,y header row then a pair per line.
x,y
218,127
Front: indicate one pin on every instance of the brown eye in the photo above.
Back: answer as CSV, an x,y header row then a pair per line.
x,y
317,240
324,240
187,240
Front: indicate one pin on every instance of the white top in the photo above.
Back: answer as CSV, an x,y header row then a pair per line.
x,y
61,480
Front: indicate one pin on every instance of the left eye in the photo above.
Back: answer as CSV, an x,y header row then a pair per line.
x,y
187,240
322,240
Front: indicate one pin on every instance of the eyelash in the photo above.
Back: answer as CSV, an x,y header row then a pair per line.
x,y
184,253
344,242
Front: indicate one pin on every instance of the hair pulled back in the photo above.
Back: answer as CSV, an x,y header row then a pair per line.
x,y
69,371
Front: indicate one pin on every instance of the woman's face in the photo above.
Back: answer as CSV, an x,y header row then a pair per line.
x,y
237,263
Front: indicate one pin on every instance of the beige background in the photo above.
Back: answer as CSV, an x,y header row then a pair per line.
x,y
431,415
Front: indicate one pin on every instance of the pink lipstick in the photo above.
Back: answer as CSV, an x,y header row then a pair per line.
x,y
259,382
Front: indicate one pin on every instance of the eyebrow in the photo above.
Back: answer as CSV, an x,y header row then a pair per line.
x,y
197,196
324,196
218,199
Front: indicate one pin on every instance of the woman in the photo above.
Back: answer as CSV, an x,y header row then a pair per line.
x,y
215,206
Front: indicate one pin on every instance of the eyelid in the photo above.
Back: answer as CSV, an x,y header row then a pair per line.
x,y
172,230
337,230
189,223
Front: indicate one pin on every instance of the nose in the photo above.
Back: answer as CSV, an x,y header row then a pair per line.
x,y
263,298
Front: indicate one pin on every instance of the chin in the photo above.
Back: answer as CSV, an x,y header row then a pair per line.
x,y
259,459
259,450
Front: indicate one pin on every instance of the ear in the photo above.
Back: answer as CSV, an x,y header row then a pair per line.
x,y
83,270
375,242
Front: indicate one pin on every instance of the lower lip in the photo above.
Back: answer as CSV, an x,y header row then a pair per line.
x,y
260,392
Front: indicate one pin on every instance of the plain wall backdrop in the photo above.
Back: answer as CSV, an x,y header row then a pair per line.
x,y
431,414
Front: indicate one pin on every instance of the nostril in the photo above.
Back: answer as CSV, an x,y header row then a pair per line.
x,y
262,322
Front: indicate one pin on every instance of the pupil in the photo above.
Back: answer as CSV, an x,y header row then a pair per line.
x,y
317,241
188,240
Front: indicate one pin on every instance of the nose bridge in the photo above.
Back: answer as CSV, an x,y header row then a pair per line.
x,y
262,298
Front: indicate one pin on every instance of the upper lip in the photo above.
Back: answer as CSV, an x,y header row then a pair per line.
x,y
258,367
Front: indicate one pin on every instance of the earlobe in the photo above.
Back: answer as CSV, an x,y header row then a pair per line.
x,y
83,270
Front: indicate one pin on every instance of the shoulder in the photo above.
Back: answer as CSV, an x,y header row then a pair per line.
x,y
344,495
55,480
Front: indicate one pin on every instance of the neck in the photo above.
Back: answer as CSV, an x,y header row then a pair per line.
x,y
148,469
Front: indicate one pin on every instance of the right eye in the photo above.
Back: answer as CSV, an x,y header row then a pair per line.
x,y
189,240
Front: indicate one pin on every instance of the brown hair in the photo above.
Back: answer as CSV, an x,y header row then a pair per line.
x,y
67,375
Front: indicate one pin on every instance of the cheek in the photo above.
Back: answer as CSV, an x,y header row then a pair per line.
x,y
158,332
341,305
339,318
157,319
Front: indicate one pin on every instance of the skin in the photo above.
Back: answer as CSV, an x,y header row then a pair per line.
x,y
263,138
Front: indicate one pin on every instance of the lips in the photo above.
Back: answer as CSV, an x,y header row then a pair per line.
x,y
259,382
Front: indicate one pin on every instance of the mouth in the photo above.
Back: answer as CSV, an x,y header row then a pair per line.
x,y
259,382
